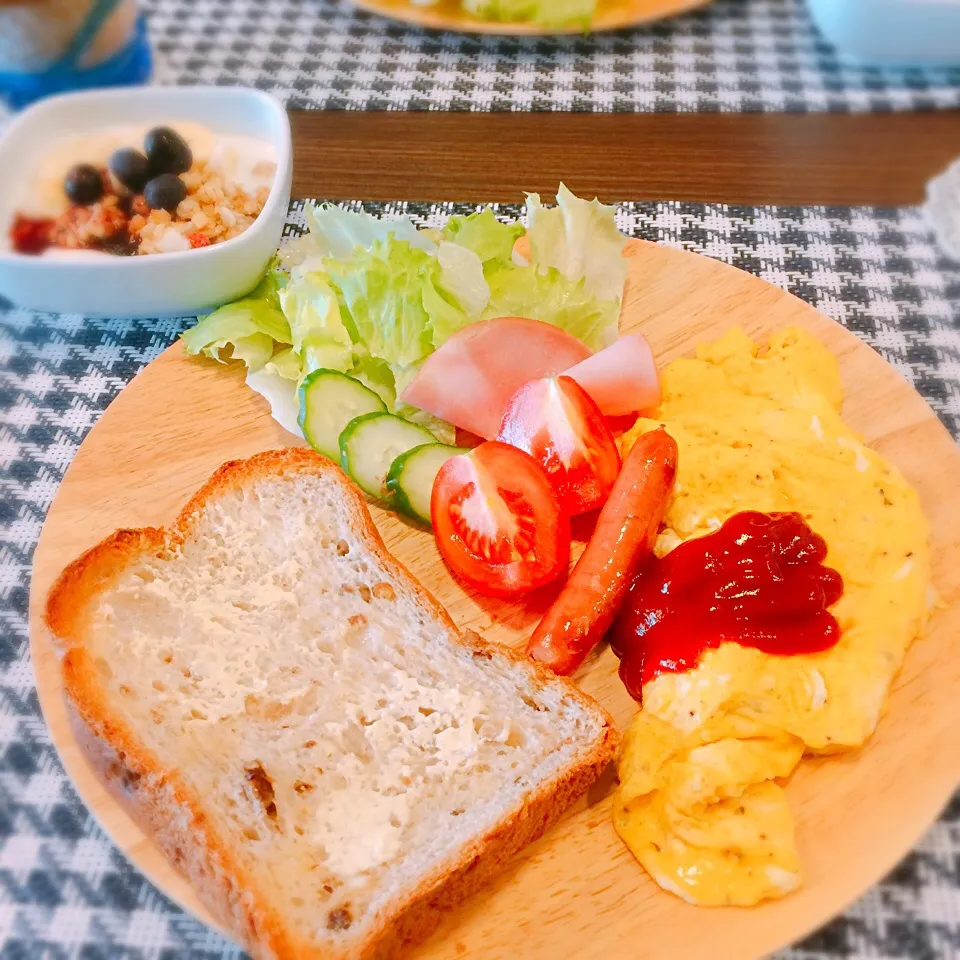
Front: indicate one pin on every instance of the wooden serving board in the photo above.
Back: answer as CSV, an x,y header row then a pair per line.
x,y
450,15
577,892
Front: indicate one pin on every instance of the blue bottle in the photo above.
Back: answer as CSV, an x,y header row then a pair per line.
x,y
130,65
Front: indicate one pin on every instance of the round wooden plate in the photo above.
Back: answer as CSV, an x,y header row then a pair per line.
x,y
449,15
577,892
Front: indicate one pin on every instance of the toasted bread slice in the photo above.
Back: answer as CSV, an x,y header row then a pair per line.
x,y
299,724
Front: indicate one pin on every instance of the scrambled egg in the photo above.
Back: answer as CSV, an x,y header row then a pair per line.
x,y
700,801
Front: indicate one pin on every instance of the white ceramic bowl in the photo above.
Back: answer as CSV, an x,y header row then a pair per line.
x,y
892,32
158,285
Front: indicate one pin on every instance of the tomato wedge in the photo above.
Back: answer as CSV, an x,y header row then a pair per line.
x,y
557,423
498,521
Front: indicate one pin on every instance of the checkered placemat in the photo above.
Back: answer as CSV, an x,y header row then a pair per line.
x,y
65,891
735,55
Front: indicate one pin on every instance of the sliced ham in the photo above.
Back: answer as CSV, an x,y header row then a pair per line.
x,y
470,379
621,379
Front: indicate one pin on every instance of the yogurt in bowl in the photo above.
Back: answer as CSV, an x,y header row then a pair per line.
x,y
84,196
216,216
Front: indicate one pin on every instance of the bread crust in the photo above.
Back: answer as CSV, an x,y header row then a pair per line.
x,y
163,805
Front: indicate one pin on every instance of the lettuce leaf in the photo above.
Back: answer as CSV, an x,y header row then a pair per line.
x,y
443,431
285,364
551,13
484,234
446,317
254,350
580,239
381,295
318,334
457,293
282,395
269,286
337,232
462,279
249,327
376,374
374,297
549,296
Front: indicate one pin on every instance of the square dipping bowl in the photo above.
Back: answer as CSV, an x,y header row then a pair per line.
x,y
183,283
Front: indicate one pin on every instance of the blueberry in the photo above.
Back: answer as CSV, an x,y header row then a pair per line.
x,y
167,152
83,184
130,167
164,192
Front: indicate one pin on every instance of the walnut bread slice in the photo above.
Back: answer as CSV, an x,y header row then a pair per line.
x,y
299,724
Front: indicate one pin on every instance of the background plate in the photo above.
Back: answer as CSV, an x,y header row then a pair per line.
x,y
449,15
577,892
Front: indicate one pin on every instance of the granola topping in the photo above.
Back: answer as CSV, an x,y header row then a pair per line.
x,y
224,190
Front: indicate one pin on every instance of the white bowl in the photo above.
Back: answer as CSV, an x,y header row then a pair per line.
x,y
892,32
158,285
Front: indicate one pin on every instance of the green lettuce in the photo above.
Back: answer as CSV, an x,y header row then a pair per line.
x,y
281,393
549,13
457,292
338,233
462,278
285,364
319,337
484,234
580,239
249,327
549,296
374,373
446,316
381,294
374,298
443,431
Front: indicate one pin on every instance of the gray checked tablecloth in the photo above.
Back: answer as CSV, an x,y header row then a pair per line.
x,y
66,893
734,55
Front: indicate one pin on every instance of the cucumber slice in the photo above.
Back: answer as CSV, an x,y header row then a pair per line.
x,y
411,477
370,444
329,400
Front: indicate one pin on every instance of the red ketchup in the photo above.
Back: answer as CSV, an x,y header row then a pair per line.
x,y
758,581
